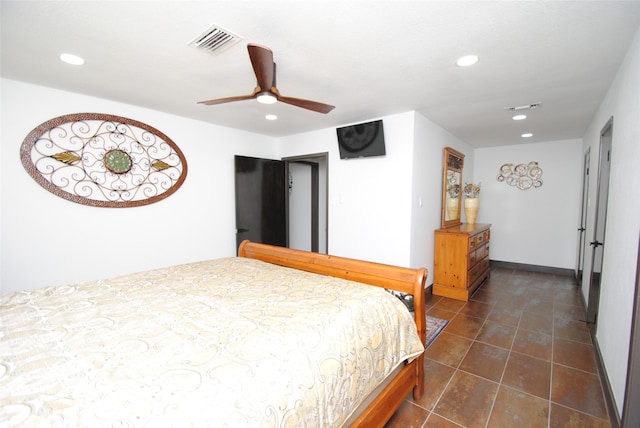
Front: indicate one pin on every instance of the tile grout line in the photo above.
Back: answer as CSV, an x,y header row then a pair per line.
x,y
504,369
456,369
445,387
559,304
553,346
452,376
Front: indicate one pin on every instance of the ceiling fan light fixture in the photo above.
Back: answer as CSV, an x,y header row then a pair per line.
x,y
266,98
519,117
527,135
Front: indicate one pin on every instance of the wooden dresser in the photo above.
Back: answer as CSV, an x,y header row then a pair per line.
x,y
461,260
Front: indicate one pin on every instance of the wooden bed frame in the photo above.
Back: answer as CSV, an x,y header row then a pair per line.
x,y
406,280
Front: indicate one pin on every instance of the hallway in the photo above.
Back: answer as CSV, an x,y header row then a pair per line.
x,y
517,354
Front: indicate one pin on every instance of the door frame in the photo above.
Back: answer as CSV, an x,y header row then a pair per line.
x,y
582,241
631,410
599,222
321,206
313,176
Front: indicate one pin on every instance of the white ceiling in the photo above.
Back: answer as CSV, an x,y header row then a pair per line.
x,y
368,58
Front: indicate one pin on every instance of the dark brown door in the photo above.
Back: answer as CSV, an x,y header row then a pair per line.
x,y
260,201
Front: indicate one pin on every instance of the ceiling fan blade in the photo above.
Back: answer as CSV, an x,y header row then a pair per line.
x,y
307,104
265,70
262,62
228,99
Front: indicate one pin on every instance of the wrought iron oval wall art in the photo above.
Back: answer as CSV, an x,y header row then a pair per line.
x,y
103,160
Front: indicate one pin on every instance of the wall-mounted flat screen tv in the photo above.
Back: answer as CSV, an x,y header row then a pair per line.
x,y
361,140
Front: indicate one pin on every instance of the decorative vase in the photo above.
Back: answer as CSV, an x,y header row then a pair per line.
x,y
452,208
471,206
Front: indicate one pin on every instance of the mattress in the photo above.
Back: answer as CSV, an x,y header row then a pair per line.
x,y
229,342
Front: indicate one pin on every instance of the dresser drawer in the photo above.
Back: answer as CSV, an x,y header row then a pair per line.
x,y
481,238
481,252
474,274
473,258
478,239
478,271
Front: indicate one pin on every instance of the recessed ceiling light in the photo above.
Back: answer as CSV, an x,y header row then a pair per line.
x,y
527,135
71,59
466,60
519,117
271,117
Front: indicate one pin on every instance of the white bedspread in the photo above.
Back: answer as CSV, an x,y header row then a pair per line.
x,y
230,343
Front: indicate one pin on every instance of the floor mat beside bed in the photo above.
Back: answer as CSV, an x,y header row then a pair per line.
x,y
434,327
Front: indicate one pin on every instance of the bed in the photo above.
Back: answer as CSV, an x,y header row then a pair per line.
x,y
273,337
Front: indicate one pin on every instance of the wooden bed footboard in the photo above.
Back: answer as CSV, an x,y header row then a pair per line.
x,y
406,280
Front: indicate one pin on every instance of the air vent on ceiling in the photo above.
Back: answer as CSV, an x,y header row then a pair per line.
x,y
525,107
215,39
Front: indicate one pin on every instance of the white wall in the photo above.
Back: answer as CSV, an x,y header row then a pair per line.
x,y
369,198
428,165
375,210
537,226
47,240
623,217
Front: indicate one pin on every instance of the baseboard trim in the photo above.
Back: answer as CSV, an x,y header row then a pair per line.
x,y
532,268
614,417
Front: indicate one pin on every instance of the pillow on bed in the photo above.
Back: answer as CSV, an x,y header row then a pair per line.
x,y
405,298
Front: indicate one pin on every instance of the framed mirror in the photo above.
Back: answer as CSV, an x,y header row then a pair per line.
x,y
452,187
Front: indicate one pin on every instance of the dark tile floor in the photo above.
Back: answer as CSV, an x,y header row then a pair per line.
x,y
518,354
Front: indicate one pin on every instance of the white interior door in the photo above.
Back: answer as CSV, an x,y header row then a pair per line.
x,y
300,206
631,410
600,221
582,241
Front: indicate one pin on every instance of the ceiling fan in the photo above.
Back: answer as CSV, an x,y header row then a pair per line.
x,y
266,91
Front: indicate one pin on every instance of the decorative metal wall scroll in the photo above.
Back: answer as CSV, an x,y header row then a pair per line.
x,y
103,160
521,176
